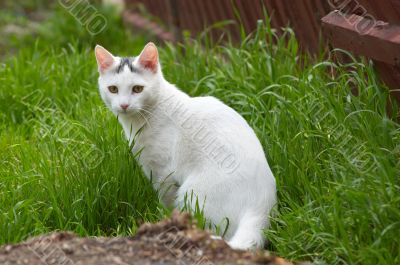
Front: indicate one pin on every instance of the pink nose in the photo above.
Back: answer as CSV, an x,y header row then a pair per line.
x,y
124,106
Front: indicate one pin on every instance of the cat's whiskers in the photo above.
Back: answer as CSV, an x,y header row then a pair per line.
x,y
144,117
148,108
147,111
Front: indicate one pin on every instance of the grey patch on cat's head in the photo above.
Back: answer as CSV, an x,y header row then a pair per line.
x,y
127,61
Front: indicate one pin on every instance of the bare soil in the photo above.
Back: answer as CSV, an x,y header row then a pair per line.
x,y
170,242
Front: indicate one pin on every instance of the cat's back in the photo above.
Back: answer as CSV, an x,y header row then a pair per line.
x,y
225,122
216,112
224,135
209,107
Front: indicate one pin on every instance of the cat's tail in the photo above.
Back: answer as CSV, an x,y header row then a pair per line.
x,y
249,234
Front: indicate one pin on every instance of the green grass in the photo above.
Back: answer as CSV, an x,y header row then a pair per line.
x,y
65,165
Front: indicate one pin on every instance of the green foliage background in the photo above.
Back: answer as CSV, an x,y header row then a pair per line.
x,y
64,164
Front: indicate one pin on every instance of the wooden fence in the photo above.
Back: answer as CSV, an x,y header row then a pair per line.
x,y
365,27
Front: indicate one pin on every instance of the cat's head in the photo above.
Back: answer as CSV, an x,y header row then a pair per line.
x,y
129,85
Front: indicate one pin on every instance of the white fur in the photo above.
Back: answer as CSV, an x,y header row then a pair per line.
x,y
196,145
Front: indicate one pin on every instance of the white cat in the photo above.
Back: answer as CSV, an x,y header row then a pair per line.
x,y
191,146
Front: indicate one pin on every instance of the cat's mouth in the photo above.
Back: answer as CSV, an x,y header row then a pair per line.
x,y
127,111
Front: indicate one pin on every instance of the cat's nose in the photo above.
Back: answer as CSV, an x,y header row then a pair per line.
x,y
124,106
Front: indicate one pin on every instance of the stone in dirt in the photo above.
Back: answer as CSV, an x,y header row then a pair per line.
x,y
170,242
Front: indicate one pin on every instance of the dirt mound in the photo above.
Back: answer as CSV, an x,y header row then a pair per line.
x,y
169,242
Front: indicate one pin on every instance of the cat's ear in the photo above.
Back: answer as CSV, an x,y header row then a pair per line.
x,y
148,58
104,58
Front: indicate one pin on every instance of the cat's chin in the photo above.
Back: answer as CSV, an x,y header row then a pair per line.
x,y
129,113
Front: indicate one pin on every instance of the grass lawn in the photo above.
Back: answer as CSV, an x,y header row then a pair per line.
x,y
64,164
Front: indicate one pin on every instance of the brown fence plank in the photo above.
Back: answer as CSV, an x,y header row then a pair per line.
x,y
381,43
281,13
381,10
270,6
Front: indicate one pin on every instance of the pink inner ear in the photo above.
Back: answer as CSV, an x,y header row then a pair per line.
x,y
106,63
104,58
149,57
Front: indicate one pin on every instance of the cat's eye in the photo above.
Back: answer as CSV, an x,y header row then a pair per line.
x,y
137,89
113,89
